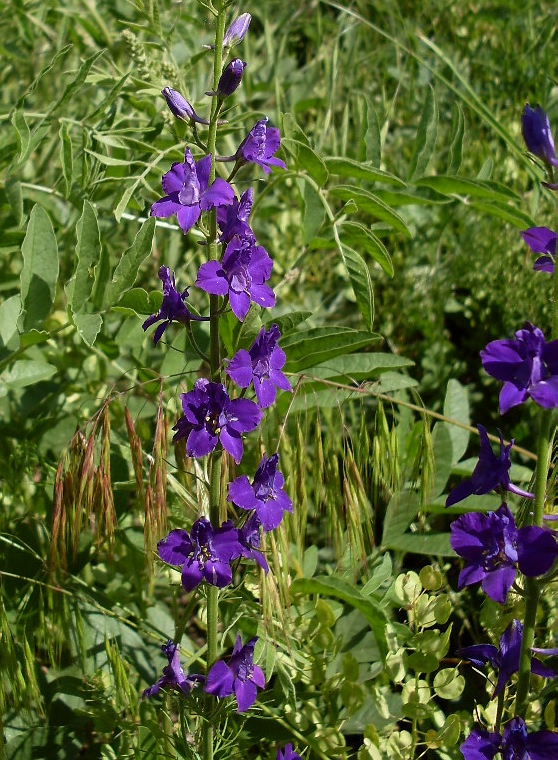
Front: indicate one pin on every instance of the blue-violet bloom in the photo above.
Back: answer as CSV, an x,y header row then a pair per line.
x,y
205,553
241,275
260,145
173,676
188,192
514,744
493,548
491,473
250,539
233,219
528,366
239,676
537,134
180,107
237,30
265,494
210,415
287,753
230,78
173,307
261,365
542,240
505,659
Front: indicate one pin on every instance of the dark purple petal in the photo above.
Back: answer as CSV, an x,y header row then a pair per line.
x,y
539,669
175,548
212,279
497,583
480,654
220,680
230,78
511,396
537,134
287,753
545,393
240,304
192,575
187,216
480,745
537,550
540,239
240,368
544,264
200,443
219,194
245,692
242,494
167,206
263,295
265,392
217,573
232,443
237,30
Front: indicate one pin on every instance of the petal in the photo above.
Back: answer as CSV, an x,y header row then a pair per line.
x,y
203,168
211,278
479,654
537,550
539,669
545,393
200,442
240,368
175,547
270,514
265,392
497,583
540,239
242,494
258,677
243,415
173,180
167,206
480,745
232,442
246,693
460,492
263,295
219,194
240,303
217,573
187,216
220,680
191,575
510,396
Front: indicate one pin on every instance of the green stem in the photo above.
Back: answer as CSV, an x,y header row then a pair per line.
x,y
215,365
532,587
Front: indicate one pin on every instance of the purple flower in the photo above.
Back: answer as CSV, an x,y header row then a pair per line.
x,y
494,547
542,240
237,30
230,78
265,495
287,753
514,744
173,308
260,145
173,675
537,135
187,191
239,677
241,275
233,219
528,366
505,659
180,106
204,554
490,474
210,415
261,365
249,537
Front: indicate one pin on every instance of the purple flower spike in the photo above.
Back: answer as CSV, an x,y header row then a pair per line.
x,y
180,106
260,145
233,219
506,658
542,240
494,547
239,677
514,744
287,753
241,275
262,366
490,474
230,78
188,194
210,415
173,307
204,554
237,30
265,495
528,366
173,676
537,135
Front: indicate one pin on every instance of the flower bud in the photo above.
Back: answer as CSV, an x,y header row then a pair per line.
x,y
537,135
230,78
237,30
180,106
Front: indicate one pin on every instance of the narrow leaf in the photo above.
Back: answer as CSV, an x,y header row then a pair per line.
x,y
361,282
425,140
362,239
40,268
88,253
455,155
127,268
372,205
346,167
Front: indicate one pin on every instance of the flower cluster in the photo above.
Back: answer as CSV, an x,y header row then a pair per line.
x,y
216,416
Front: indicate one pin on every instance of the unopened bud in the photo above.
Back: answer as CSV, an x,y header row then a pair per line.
x,y
180,106
237,30
230,78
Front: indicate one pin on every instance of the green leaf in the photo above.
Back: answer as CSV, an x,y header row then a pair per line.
x,y
337,588
372,205
361,238
88,253
455,155
287,323
28,372
88,326
123,202
306,160
425,140
308,348
346,167
448,684
76,82
138,302
313,212
468,187
505,211
456,407
43,72
22,132
14,195
127,268
9,313
361,282
358,367
423,662
40,269
442,446
372,135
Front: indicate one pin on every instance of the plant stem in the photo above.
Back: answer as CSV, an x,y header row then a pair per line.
x,y
215,364
532,587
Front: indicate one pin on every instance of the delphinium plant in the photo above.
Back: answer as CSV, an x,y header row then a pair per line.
x,y
513,557
227,401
